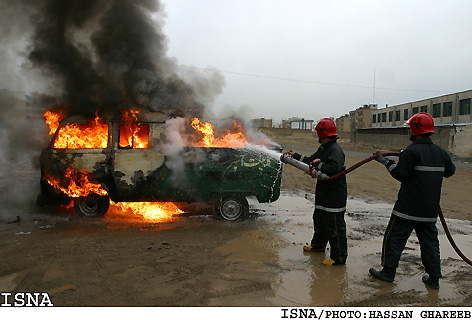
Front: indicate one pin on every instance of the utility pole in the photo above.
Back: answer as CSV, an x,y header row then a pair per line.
x,y
373,90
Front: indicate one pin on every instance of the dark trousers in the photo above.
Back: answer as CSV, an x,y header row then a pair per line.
x,y
396,235
330,227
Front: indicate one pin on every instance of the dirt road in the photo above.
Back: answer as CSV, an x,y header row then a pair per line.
x,y
195,260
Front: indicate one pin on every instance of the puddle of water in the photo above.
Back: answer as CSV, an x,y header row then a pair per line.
x,y
304,281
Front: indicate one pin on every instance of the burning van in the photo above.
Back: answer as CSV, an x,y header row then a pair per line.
x,y
91,162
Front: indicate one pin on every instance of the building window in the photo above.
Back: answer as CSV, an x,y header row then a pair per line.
x,y
390,116
397,115
384,116
415,110
447,109
378,117
464,106
436,110
424,108
374,118
405,114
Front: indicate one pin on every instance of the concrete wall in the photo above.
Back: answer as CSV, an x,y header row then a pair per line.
x,y
455,139
461,141
393,140
282,132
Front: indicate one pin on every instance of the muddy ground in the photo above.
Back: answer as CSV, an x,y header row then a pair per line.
x,y
196,260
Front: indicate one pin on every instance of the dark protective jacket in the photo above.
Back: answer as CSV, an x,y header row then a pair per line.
x,y
329,195
420,169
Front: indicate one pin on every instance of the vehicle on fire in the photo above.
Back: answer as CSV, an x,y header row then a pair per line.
x,y
126,163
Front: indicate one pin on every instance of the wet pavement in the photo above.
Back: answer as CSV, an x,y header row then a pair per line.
x,y
305,281
256,262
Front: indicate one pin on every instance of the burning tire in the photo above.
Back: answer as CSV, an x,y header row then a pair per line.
x,y
92,205
231,207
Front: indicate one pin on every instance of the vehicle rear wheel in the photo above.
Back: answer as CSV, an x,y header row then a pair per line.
x,y
231,207
92,206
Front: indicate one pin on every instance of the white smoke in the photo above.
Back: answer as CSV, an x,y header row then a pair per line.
x,y
176,141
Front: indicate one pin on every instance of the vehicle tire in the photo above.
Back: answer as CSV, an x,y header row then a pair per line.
x,y
92,206
231,207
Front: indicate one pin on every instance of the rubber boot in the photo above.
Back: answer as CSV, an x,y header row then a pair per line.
x,y
386,274
431,282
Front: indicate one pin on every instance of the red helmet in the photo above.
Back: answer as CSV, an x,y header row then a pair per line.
x,y
421,123
325,128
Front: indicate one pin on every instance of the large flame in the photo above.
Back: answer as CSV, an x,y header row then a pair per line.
x,y
151,211
94,134
225,139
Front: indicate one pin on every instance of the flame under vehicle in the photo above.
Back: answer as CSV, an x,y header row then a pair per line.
x,y
127,164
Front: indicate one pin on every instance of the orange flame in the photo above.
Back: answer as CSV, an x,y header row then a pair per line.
x,y
80,136
81,187
151,211
76,186
95,135
237,139
133,134
53,119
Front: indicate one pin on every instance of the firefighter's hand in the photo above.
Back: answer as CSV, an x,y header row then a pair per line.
x,y
291,152
380,158
312,164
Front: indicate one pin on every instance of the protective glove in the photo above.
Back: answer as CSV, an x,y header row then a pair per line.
x,y
380,158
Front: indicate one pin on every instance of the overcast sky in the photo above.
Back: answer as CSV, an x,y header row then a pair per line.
x,y
327,52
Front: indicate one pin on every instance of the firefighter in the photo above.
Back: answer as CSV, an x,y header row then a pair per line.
x,y
420,169
330,196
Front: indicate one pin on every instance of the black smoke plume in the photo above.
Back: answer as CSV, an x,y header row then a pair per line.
x,y
110,55
88,55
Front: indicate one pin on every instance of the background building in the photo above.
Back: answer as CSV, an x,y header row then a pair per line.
x,y
452,119
446,109
262,123
343,123
300,123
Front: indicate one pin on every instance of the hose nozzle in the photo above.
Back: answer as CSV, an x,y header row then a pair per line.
x,y
310,170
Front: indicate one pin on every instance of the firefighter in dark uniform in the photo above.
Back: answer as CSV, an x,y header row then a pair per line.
x,y
330,196
420,169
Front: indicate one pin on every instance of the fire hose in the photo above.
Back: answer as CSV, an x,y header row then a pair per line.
x,y
310,170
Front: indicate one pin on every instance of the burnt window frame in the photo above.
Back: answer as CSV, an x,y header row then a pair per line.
x,y
132,146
